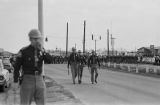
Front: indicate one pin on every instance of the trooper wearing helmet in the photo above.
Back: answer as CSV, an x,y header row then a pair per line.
x,y
30,59
72,61
81,63
93,61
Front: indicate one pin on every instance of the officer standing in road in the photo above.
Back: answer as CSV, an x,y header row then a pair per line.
x,y
93,61
81,63
72,61
30,59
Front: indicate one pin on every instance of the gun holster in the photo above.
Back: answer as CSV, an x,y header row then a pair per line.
x,y
20,80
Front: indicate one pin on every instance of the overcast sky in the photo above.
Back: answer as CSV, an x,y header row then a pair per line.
x,y
134,23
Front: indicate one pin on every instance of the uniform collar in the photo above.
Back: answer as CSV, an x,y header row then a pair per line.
x,y
32,47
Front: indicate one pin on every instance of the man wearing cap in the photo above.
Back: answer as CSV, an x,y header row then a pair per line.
x,y
30,60
93,61
72,61
81,63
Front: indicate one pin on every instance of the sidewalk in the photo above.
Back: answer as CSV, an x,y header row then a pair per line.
x,y
56,95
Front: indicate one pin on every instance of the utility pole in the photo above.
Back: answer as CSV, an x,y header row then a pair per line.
x,y
95,45
40,26
67,41
84,37
40,17
112,44
108,41
95,41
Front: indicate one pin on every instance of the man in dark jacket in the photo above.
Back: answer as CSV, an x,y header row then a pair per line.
x,y
93,61
72,61
81,63
30,61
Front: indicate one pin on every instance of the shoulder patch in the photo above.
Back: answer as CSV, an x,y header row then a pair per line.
x,y
19,54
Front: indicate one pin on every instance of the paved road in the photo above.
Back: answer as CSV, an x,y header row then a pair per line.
x,y
56,95
113,88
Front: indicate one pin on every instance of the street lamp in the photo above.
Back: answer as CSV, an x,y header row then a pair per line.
x,y
46,39
95,41
112,44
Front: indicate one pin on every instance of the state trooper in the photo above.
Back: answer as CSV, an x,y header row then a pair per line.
x,y
81,63
72,62
30,59
93,61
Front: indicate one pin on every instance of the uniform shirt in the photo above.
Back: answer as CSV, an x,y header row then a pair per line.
x,y
30,61
81,59
72,58
93,59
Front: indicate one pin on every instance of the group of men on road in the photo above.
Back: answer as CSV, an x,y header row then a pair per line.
x,y
77,61
29,66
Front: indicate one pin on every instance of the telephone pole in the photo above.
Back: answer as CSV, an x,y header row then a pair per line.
x,y
40,26
108,41
95,45
93,38
40,17
67,41
112,44
84,37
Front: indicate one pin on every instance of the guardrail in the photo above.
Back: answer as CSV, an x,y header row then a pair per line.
x,y
137,68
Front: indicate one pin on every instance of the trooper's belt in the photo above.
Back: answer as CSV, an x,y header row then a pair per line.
x,y
32,73
94,65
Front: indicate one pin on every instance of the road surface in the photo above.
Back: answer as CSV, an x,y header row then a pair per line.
x,y
113,88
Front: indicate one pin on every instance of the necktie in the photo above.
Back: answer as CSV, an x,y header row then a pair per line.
x,y
74,57
36,58
93,59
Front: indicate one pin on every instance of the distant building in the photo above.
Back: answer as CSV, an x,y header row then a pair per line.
x,y
105,52
149,51
114,53
132,53
144,51
56,52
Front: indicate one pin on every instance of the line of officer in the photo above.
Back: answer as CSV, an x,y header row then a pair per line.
x,y
93,61
72,62
81,63
30,59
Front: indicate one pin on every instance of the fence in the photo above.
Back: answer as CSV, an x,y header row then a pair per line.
x,y
137,68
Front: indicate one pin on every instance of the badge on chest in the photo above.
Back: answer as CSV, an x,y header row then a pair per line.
x,y
36,59
29,58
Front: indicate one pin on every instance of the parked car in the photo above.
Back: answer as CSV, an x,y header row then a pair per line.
x,y
4,77
7,64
